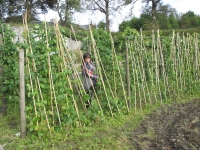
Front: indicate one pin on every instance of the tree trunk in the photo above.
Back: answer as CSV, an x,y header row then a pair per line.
x,y
154,6
67,18
28,6
60,16
107,17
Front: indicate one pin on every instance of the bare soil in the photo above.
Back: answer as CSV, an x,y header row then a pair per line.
x,y
175,127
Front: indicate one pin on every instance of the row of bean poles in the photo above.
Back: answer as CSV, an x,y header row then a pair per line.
x,y
56,97
165,69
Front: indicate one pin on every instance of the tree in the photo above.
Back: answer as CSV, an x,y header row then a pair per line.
x,y
3,10
164,12
66,8
189,20
124,25
146,20
135,23
154,4
160,17
167,18
101,25
35,7
13,8
173,21
107,7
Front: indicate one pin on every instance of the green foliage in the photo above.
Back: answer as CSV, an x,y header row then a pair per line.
x,y
101,25
124,25
130,33
190,20
9,62
95,136
15,19
114,133
67,32
53,101
166,18
66,9
41,103
169,32
173,22
119,38
17,8
103,44
135,23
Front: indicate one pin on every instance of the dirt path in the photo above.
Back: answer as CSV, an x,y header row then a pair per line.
x,y
175,127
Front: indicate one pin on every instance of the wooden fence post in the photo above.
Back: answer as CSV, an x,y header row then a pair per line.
x,y
22,86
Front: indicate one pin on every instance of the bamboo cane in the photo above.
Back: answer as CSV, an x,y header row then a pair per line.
x,y
172,53
34,67
114,74
140,69
152,59
72,67
177,65
135,60
107,79
30,77
100,74
117,62
97,99
190,59
50,76
156,57
133,74
166,84
196,53
184,65
142,64
149,70
31,82
67,76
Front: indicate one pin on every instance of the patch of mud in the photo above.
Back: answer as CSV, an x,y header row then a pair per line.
x,y
175,127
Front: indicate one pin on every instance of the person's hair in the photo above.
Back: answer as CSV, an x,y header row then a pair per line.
x,y
86,55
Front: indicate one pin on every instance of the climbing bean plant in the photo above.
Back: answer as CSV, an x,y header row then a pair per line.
x,y
9,63
161,68
52,102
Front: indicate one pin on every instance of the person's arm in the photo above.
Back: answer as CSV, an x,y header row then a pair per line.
x,y
94,77
89,69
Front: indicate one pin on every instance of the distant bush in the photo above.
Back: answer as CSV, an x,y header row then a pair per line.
x,y
169,32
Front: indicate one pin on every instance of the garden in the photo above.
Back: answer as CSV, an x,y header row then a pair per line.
x,y
145,90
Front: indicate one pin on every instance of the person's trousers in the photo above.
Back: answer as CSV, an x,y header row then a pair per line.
x,y
90,92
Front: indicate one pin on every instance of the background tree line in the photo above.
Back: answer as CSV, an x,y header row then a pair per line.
x,y
155,14
12,10
163,20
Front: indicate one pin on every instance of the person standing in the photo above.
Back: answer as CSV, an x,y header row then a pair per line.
x,y
89,79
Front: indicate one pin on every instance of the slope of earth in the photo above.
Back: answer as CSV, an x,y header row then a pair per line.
x,y
175,127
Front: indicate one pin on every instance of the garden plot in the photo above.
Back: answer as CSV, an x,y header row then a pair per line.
x,y
170,127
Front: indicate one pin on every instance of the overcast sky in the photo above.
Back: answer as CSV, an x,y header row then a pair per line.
x,y
181,6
